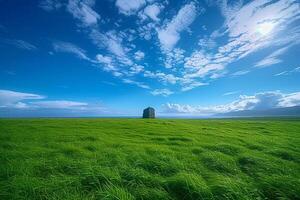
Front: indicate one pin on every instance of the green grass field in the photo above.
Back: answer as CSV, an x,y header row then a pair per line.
x,y
149,159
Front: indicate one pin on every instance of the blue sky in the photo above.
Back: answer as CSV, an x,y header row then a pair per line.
x,y
116,57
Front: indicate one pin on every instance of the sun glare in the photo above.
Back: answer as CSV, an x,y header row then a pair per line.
x,y
265,28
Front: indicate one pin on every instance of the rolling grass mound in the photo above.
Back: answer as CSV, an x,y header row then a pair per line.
x,y
149,159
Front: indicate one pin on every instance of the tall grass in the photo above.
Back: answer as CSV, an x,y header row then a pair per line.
x,y
149,159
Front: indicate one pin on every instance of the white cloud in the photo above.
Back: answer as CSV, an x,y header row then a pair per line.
x,y
139,55
129,7
243,26
218,74
20,105
228,8
289,100
198,62
14,99
146,31
139,84
50,5
104,59
67,47
81,10
117,61
185,82
162,92
272,59
240,73
19,100
259,101
174,57
267,62
200,65
208,43
135,69
170,34
113,44
192,85
282,73
59,104
165,78
111,41
296,70
231,93
152,12
249,18
107,61
117,74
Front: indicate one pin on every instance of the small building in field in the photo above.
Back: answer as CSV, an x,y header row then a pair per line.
x,y
149,113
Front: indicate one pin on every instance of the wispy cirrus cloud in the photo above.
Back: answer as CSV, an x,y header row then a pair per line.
x,y
113,43
88,20
59,104
20,44
14,99
162,92
50,5
240,73
20,104
267,62
285,73
14,103
83,12
186,83
247,28
68,47
192,85
273,58
250,28
231,93
139,84
21,100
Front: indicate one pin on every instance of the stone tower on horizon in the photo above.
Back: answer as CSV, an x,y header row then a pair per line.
x,y
149,113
